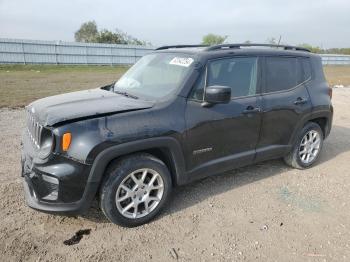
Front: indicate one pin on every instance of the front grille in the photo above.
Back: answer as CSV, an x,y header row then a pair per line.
x,y
34,130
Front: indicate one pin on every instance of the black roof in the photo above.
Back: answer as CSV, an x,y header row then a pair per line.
x,y
253,49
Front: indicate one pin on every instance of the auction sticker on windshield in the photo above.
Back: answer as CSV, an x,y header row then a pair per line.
x,y
181,61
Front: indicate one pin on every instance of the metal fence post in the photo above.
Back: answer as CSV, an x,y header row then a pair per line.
x,y
24,55
111,55
56,53
86,54
134,55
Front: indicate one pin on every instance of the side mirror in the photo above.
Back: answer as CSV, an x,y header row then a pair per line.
x,y
217,95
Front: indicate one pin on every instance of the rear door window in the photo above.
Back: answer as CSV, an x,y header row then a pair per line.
x,y
282,73
306,67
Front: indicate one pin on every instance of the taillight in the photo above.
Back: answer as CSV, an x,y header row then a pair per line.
x,y
330,92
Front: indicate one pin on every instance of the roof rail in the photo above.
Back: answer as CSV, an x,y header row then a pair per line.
x,y
285,47
179,46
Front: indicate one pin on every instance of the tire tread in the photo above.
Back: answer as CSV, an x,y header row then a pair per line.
x,y
292,158
117,169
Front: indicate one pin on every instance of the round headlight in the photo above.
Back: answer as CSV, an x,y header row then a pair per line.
x,y
46,143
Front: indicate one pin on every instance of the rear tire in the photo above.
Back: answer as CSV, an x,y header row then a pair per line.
x,y
307,147
135,189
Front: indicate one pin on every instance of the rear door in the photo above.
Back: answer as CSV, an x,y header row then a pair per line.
x,y
285,100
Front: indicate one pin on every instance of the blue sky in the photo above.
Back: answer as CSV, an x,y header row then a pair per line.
x,y
324,23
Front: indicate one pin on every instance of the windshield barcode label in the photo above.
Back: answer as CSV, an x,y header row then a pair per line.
x,y
181,61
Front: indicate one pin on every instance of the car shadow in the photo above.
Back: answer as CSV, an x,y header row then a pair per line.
x,y
189,195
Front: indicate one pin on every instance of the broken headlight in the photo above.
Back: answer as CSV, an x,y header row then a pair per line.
x,y
46,143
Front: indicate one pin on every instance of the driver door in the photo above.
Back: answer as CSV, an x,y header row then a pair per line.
x,y
223,136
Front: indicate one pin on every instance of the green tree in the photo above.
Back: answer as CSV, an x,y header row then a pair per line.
x,y
108,37
87,32
313,49
130,39
117,37
212,39
342,51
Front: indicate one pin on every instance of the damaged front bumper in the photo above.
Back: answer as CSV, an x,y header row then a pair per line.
x,y
57,184
74,208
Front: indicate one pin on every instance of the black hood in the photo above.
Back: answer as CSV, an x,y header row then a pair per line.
x,y
89,103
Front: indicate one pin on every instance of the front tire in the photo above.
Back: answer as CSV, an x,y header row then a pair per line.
x,y
307,147
135,189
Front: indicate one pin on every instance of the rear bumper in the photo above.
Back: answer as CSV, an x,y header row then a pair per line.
x,y
330,123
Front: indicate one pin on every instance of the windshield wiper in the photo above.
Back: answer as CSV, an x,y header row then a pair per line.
x,y
126,94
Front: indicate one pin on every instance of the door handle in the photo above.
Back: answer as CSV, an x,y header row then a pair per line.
x,y
251,110
300,101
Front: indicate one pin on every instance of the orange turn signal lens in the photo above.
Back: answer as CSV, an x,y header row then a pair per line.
x,y
66,139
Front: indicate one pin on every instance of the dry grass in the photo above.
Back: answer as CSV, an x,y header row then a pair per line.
x,y
338,75
20,85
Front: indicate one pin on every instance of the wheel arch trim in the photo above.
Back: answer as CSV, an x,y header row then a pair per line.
x,y
109,154
309,117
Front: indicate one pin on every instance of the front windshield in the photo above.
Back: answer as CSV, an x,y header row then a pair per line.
x,y
155,75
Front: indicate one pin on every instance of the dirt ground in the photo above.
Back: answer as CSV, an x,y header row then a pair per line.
x,y
265,212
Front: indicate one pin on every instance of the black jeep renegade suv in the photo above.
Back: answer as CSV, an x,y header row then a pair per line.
x,y
179,114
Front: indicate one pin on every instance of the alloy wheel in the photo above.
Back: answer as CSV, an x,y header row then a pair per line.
x,y
310,146
139,193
